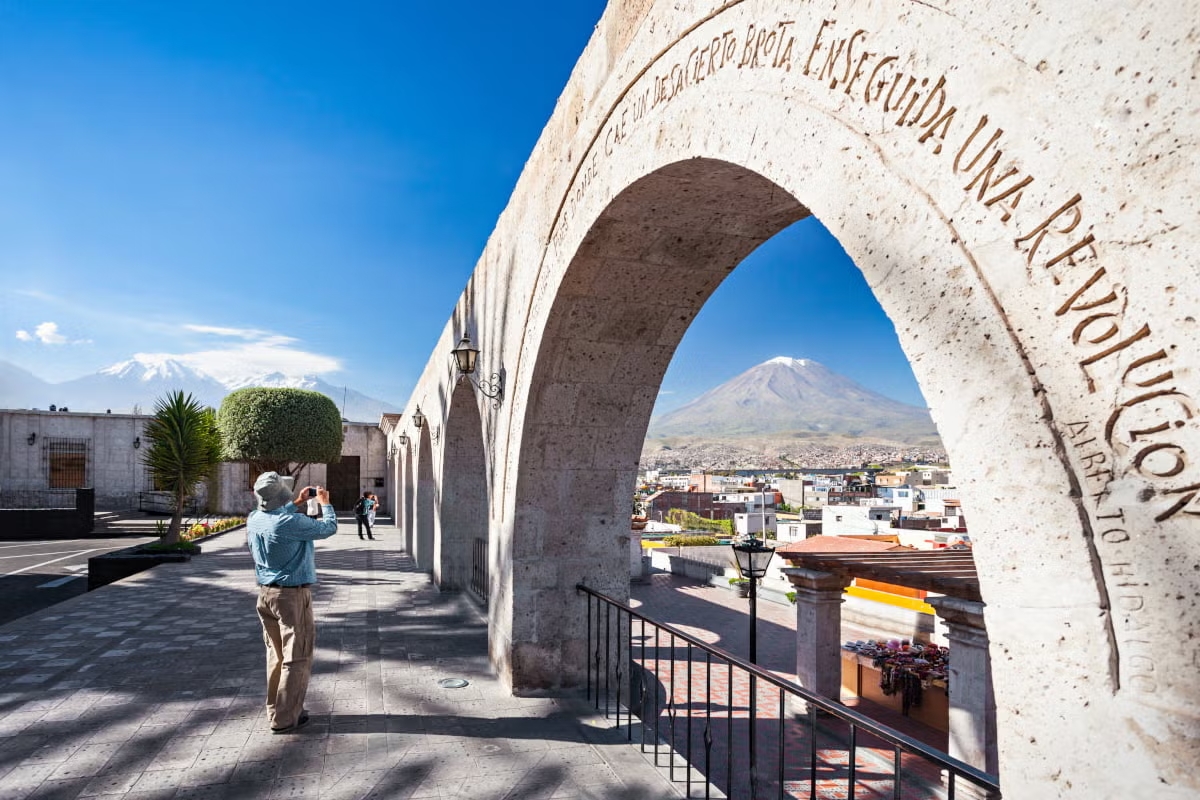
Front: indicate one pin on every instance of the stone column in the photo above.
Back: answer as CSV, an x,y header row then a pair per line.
x,y
972,701
637,569
818,629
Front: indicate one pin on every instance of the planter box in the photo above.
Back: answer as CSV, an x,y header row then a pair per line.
x,y
119,564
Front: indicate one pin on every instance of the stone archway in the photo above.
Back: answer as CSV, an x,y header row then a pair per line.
x,y
463,516
637,280
1017,202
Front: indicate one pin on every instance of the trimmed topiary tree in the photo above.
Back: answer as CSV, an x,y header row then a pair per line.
x,y
279,429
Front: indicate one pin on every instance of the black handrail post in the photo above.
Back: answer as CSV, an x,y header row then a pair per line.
x,y
753,622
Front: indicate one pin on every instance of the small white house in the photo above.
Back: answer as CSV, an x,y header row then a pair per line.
x,y
857,520
753,523
902,497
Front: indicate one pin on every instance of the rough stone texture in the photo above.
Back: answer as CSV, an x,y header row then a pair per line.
x,y
972,698
1016,186
818,630
114,466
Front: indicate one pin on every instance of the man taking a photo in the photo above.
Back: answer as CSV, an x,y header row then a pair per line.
x,y
281,539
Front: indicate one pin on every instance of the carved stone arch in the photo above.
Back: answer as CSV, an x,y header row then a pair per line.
x,y
1017,202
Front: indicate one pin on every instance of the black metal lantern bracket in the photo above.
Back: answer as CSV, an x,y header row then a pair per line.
x,y
466,357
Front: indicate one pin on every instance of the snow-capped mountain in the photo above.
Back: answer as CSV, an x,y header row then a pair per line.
x,y
138,382
795,397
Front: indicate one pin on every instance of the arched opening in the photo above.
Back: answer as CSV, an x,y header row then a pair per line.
x,y
462,524
424,503
634,285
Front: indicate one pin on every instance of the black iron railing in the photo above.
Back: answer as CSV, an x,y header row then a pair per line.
x,y
727,726
479,569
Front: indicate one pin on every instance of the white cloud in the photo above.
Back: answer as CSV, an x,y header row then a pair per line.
x,y
239,333
46,333
257,358
262,352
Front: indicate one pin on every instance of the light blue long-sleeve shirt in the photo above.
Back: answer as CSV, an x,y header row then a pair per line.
x,y
281,542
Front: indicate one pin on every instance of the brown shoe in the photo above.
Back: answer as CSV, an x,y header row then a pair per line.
x,y
300,723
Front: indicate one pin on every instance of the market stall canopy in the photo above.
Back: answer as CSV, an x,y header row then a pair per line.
x,y
949,572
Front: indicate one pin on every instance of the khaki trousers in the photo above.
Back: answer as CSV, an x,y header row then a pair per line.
x,y
289,634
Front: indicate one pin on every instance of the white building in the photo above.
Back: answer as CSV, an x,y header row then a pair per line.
x,y
857,520
753,523
935,500
47,450
902,497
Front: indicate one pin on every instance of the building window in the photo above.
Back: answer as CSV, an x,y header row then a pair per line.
x,y
66,463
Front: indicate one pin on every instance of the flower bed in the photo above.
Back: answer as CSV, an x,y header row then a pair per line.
x,y
110,567
201,530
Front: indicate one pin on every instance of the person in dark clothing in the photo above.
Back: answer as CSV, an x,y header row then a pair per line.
x,y
362,511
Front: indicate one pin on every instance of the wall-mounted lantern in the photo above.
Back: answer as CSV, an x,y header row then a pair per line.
x,y
465,358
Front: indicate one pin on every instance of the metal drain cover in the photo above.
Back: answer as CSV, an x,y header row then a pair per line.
x,y
453,683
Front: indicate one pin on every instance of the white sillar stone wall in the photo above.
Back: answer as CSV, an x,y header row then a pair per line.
x,y
1018,185
115,469
114,465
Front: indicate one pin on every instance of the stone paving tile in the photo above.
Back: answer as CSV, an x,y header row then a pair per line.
x,y
108,784
152,688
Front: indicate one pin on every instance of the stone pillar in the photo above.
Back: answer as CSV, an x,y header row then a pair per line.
x,y
818,629
637,568
972,700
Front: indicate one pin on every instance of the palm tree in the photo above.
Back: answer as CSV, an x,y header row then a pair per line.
x,y
184,449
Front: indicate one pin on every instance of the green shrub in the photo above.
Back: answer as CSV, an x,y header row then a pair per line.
x,y
738,581
693,521
689,540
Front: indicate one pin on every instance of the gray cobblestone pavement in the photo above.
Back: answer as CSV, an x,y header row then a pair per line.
x,y
152,688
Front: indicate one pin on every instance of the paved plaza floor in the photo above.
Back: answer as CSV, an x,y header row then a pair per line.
x,y
152,688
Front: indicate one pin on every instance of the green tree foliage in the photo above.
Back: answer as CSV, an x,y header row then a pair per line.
x,y
184,449
685,540
283,430
691,521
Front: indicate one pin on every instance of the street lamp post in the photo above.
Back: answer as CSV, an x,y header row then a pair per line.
x,y
752,560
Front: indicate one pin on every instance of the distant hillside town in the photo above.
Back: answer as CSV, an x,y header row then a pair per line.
x,y
920,499
781,455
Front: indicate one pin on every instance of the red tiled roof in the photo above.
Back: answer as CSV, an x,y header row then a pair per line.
x,y
837,544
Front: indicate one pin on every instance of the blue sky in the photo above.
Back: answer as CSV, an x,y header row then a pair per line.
x,y
306,187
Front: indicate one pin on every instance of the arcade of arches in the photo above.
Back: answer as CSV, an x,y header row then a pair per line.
x,y
1016,186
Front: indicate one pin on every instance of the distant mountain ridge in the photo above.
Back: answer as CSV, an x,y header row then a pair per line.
x,y
139,381
795,398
